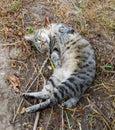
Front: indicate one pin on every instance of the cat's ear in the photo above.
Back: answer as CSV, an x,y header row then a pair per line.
x,y
66,29
29,37
47,21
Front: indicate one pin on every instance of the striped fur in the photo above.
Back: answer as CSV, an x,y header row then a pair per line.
x,y
74,62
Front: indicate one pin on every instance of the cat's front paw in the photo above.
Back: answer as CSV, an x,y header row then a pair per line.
x,y
27,96
56,59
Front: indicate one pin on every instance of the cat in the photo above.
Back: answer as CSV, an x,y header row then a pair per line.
x,y
75,66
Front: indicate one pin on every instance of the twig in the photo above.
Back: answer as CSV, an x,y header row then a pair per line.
x,y
79,124
62,119
36,120
49,118
68,121
29,81
17,111
103,117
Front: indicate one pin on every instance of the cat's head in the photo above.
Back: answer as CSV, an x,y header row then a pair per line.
x,y
40,38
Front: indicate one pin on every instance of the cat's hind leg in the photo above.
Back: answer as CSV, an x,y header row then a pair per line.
x,y
42,105
50,102
38,107
71,102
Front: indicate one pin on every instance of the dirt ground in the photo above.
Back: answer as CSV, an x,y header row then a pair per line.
x,y
21,63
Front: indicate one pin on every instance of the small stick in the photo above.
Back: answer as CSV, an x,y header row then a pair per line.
x,y
68,121
17,111
79,124
62,119
36,121
49,118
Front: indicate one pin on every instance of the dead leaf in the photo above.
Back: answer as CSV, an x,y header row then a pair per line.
x,y
23,110
14,81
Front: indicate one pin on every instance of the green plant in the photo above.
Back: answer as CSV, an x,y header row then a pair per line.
x,y
14,5
30,29
108,66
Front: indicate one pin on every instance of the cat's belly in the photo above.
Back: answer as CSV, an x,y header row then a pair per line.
x,y
62,74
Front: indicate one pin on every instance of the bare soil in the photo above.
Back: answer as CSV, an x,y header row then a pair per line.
x,y
94,20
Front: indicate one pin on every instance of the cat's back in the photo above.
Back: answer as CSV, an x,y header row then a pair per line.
x,y
77,53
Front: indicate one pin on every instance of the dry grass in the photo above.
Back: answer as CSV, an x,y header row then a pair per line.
x,y
95,20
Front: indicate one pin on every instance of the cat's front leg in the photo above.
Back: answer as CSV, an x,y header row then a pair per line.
x,y
55,58
37,95
45,93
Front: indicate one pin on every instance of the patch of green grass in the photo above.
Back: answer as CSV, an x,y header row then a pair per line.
x,y
30,29
108,66
14,5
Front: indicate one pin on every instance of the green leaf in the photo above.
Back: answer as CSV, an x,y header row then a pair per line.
x,y
30,29
14,5
108,66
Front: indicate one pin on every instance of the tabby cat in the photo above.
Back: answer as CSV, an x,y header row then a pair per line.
x,y
74,62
